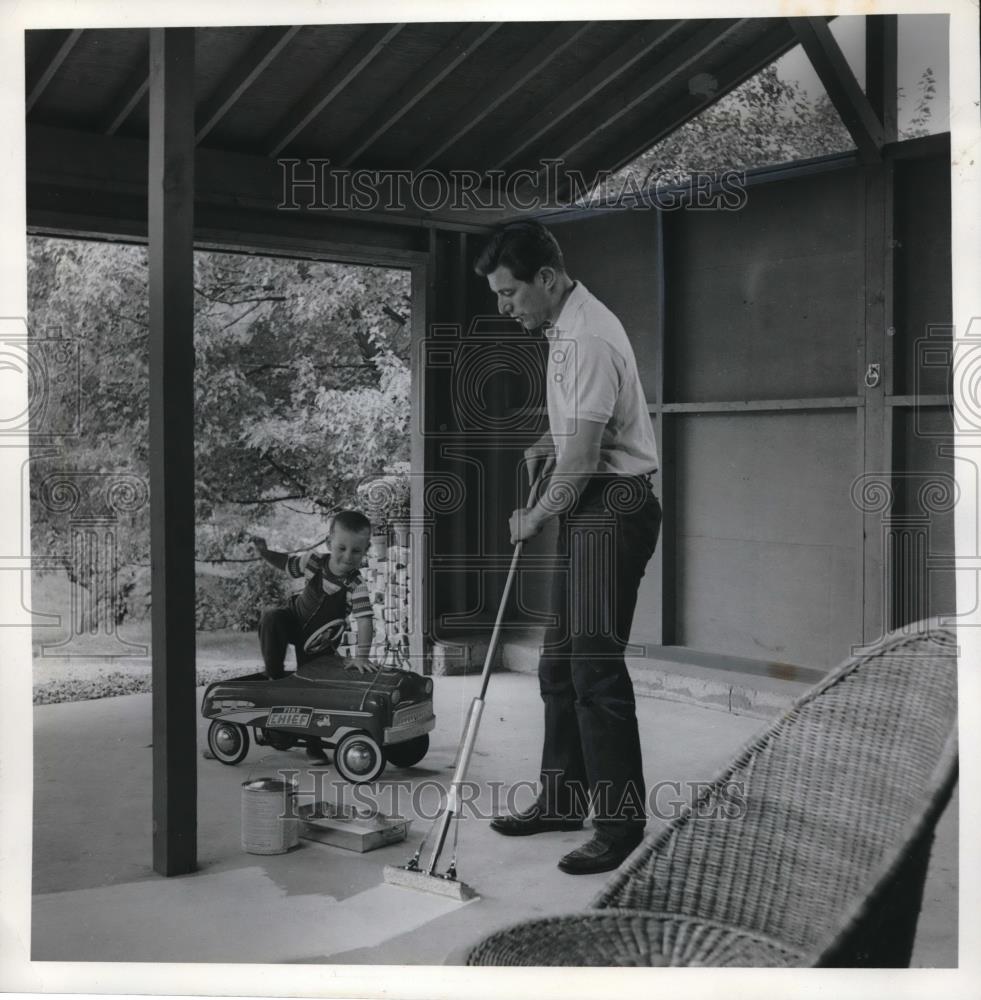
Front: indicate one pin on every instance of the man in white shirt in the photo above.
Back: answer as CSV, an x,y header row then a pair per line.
x,y
601,451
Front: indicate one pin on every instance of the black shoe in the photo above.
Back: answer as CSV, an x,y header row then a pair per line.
x,y
533,820
316,755
601,854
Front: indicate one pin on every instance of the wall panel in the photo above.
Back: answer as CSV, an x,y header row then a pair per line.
x,y
767,560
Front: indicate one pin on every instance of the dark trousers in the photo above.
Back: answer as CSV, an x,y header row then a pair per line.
x,y
592,751
278,628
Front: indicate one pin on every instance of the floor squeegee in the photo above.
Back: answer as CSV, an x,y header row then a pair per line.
x,y
425,877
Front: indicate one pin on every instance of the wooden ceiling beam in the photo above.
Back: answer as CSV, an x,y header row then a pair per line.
x,y
241,76
685,59
747,64
498,155
426,80
47,67
367,48
128,96
551,46
80,167
843,89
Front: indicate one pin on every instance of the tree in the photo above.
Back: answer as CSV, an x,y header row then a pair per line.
x,y
765,120
301,387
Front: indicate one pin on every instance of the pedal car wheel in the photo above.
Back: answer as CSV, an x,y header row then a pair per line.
x,y
408,753
228,741
358,758
278,740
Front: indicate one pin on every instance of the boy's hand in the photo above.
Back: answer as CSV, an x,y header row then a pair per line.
x,y
362,665
259,543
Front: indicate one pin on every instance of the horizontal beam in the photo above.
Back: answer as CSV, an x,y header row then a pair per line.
x,y
42,74
84,165
241,76
843,89
934,401
762,405
426,80
367,48
675,196
923,147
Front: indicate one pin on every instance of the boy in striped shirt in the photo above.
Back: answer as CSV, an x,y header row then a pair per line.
x,y
315,619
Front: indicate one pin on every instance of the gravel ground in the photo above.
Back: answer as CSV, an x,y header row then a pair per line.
x,y
80,678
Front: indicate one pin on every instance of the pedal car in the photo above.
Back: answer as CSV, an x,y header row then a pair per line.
x,y
368,719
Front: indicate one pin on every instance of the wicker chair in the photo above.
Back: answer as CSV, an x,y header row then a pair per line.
x,y
809,849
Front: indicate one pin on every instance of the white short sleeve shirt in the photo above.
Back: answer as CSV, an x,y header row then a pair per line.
x,y
592,375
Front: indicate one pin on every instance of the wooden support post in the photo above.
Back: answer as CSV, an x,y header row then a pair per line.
x,y
667,543
881,84
420,624
875,384
171,258
843,89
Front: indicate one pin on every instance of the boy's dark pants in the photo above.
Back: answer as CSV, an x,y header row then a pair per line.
x,y
278,628
592,746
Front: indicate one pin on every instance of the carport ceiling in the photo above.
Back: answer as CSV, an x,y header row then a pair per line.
x,y
449,96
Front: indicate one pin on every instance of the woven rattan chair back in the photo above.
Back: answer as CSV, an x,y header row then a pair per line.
x,y
807,836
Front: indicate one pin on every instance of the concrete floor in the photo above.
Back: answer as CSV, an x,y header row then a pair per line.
x,y
96,897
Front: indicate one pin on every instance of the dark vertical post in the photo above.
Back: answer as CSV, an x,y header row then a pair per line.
x,y
171,258
420,625
665,450
881,88
466,532
881,54
876,384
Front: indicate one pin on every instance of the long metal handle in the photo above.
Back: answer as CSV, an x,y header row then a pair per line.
x,y
477,705
508,584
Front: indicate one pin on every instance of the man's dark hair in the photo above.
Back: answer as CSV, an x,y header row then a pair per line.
x,y
523,248
352,520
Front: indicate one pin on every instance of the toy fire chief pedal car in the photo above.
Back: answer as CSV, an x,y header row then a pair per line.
x,y
369,719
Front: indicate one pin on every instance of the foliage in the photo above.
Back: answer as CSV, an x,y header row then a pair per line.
x,y
765,120
236,600
301,390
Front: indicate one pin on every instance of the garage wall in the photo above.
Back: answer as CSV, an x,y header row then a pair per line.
x,y
752,330
767,565
765,308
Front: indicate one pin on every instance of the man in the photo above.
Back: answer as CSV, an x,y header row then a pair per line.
x,y
601,450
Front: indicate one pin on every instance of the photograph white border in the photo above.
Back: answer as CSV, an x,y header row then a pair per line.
x,y
19,974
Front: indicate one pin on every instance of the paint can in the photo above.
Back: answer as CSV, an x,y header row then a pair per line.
x,y
270,824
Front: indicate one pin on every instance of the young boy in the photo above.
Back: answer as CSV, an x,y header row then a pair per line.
x,y
315,619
